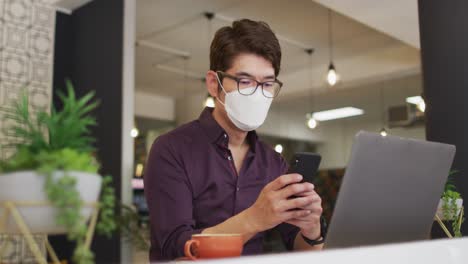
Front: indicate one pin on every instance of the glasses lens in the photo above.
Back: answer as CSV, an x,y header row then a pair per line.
x,y
271,89
247,86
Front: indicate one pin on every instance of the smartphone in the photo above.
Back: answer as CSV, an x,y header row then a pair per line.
x,y
306,164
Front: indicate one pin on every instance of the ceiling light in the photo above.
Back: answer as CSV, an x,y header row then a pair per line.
x,y
418,101
312,123
332,76
422,106
414,100
134,132
337,113
279,148
383,132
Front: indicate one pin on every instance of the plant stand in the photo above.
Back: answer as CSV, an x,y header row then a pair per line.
x,y
11,207
444,227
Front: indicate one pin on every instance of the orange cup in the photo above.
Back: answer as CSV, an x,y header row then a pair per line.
x,y
214,246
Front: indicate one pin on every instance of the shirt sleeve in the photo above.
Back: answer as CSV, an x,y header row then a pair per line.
x,y
288,232
169,196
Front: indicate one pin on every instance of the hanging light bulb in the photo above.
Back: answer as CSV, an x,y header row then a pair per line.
x,y
332,76
134,132
209,101
311,122
383,132
279,148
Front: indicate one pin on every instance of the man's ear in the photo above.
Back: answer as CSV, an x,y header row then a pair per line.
x,y
212,84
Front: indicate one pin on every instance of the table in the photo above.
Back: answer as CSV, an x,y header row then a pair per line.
x,y
441,251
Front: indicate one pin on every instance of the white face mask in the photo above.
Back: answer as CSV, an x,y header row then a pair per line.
x,y
246,112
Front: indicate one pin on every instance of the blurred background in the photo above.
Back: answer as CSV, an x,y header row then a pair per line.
x,y
378,87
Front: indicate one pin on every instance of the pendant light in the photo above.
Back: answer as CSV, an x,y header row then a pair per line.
x,y
311,122
279,148
210,100
134,132
332,75
383,131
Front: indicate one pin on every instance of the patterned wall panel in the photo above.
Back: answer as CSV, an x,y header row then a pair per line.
x,y
27,30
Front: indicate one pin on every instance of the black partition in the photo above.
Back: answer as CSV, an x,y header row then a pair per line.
x,y
444,52
88,51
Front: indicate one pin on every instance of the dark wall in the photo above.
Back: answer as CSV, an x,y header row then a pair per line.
x,y
444,50
88,51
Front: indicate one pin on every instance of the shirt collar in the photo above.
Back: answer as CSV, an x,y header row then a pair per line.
x,y
216,133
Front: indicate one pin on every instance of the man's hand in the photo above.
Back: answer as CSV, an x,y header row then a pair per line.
x,y
273,206
309,224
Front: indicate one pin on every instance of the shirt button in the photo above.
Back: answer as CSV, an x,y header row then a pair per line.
x,y
225,136
238,189
229,158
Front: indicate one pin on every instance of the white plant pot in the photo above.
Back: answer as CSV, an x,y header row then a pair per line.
x,y
27,186
440,213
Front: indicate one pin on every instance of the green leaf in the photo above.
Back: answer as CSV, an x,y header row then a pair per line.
x,y
61,141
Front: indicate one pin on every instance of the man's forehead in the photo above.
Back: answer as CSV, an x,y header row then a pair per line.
x,y
252,65
253,75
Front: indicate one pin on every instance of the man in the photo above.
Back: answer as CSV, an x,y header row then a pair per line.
x,y
213,175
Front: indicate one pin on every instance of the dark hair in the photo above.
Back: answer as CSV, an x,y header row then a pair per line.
x,y
244,36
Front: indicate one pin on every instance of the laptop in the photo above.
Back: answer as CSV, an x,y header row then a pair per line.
x,y
390,191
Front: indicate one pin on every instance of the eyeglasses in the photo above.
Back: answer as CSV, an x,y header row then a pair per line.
x,y
270,89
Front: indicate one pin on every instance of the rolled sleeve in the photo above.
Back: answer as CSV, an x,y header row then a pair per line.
x,y
169,196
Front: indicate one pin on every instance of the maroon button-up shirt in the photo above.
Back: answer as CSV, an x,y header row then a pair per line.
x,y
191,184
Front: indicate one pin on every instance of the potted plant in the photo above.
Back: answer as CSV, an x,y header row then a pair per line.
x,y
450,208
54,163
133,228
